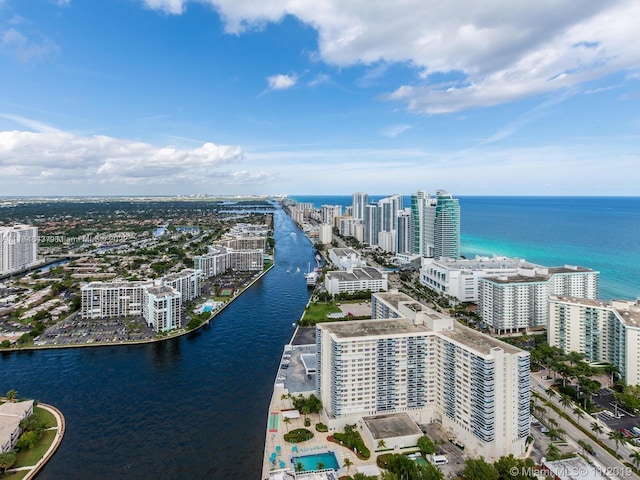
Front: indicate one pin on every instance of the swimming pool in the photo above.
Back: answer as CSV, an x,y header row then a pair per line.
x,y
310,462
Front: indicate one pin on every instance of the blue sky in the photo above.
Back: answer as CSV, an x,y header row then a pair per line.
x,y
150,97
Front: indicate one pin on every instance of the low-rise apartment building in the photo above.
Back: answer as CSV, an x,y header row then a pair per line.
x,y
355,280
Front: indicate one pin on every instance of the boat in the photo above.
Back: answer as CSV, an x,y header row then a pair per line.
x,y
312,278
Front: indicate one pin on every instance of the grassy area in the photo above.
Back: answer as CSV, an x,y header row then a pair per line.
x,y
31,457
46,417
14,476
317,312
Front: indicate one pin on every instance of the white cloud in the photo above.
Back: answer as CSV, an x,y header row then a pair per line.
x,y
56,158
168,6
395,130
500,50
15,43
281,82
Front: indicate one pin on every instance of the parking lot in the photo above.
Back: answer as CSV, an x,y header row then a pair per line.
x,y
615,417
455,455
78,331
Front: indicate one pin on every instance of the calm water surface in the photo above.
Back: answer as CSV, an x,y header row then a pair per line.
x,y
194,407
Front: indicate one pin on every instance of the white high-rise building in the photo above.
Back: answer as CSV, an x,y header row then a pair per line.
x,y
388,210
18,248
405,231
423,363
330,213
163,307
371,224
359,200
603,331
509,303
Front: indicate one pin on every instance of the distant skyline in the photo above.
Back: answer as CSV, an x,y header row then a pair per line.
x,y
226,97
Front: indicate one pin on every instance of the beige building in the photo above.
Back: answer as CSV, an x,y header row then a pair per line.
x,y
11,414
423,363
603,331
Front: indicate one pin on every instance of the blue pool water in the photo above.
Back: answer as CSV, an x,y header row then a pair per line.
x,y
310,462
208,308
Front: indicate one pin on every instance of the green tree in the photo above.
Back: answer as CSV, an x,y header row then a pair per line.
x,y
505,467
402,466
430,472
479,469
596,428
299,467
426,446
320,466
565,401
7,460
552,453
28,440
12,395
287,421
617,437
635,458
578,413
381,444
347,462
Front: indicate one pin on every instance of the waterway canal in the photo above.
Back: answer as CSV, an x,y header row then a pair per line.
x,y
193,407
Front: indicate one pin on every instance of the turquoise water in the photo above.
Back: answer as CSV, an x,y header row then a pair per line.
x,y
208,308
601,233
310,462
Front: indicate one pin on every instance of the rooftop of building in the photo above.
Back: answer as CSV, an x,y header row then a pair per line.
x,y
483,263
16,408
512,279
628,311
177,275
122,284
162,290
356,274
574,468
365,328
394,297
391,425
344,252
476,340
569,269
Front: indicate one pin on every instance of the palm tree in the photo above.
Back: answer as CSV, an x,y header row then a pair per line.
x,y
617,437
299,467
320,466
12,395
635,458
561,432
550,391
578,413
284,396
381,444
287,420
596,428
541,410
347,463
552,452
553,421
565,401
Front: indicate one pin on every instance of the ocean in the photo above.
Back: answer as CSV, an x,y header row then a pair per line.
x,y
601,233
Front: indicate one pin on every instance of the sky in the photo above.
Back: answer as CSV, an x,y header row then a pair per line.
x,y
240,97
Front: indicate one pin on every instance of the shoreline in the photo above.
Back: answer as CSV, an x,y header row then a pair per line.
x,y
178,334
60,427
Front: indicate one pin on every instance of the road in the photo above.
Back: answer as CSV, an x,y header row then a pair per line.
x,y
603,460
